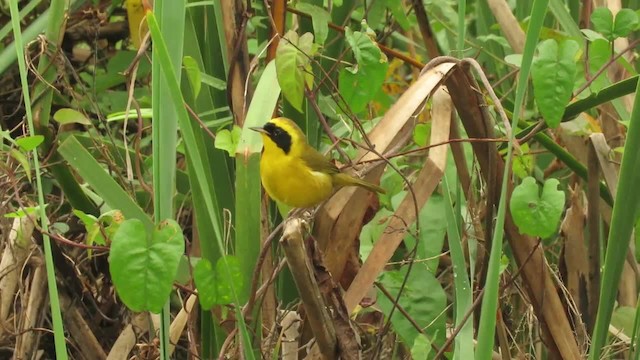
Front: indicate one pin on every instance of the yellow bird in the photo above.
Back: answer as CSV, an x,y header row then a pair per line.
x,y
293,172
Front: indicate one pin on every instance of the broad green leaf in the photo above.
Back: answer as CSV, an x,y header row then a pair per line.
x,y
143,265
215,285
626,21
320,19
421,134
514,59
364,49
553,74
293,66
422,297
59,228
206,282
535,213
21,158
623,318
398,12
70,116
602,20
592,35
421,347
359,85
522,162
193,73
599,55
228,140
29,143
375,11
433,228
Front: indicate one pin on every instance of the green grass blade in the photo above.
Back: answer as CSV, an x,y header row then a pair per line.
x,y
7,28
463,295
248,174
102,182
56,315
490,301
622,222
171,16
462,12
188,130
561,13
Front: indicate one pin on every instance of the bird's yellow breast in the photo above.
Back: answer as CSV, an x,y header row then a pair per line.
x,y
289,180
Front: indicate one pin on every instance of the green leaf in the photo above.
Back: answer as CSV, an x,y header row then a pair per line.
x,y
359,85
215,285
591,35
193,73
422,297
293,66
21,158
534,213
602,20
498,39
398,12
364,49
421,134
144,265
626,21
375,11
320,19
29,143
213,82
228,140
70,116
522,162
514,59
623,318
87,219
421,347
22,212
553,74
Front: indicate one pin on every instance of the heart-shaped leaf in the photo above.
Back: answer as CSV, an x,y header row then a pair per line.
x,y
142,265
215,286
534,213
228,140
553,74
29,143
358,85
626,21
293,66
602,20
193,73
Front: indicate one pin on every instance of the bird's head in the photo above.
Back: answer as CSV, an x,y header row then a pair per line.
x,y
281,133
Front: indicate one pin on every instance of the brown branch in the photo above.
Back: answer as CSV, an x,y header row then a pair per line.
x,y
322,326
425,29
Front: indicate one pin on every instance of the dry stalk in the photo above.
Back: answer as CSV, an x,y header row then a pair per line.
x,y
80,331
13,260
32,317
317,313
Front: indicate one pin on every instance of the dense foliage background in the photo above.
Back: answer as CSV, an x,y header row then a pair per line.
x,y
134,225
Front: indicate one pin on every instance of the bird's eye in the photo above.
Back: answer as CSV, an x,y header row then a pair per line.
x,y
277,131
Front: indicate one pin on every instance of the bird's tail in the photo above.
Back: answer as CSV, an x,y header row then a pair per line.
x,y
348,180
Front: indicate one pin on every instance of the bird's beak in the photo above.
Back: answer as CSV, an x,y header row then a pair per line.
x,y
259,129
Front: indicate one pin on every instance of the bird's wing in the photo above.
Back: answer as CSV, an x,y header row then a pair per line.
x,y
318,162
